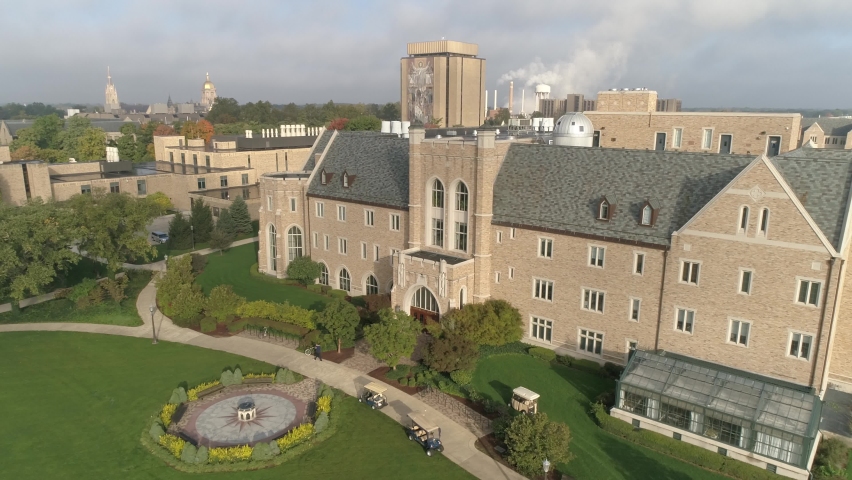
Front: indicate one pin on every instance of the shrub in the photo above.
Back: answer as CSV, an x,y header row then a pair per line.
x,y
326,391
433,328
280,312
189,453
451,352
198,263
532,438
612,370
286,376
261,452
323,404
831,458
321,422
304,270
186,307
208,324
450,388
486,351
564,360
296,436
240,453
270,376
473,395
156,432
238,376
374,303
339,319
166,414
545,354
82,289
494,322
237,326
226,378
316,288
178,396
177,296
462,377
202,455
223,303
500,424
399,372
606,398
338,294
273,447
172,443
192,393
115,288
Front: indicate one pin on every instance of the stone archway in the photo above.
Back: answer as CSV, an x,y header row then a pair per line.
x,y
423,305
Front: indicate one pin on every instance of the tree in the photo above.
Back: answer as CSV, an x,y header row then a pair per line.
x,y
112,226
180,298
494,322
161,201
241,216
26,152
365,123
537,114
205,130
223,303
394,337
451,352
531,439
339,319
338,124
390,112
180,236
303,269
189,129
226,223
224,110
127,148
35,246
163,131
92,146
220,240
201,220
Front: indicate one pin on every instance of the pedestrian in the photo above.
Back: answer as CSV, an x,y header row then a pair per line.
x,y
318,352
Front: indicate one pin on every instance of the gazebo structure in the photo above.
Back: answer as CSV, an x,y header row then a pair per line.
x,y
765,422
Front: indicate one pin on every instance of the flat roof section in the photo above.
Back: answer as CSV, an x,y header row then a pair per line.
x,y
437,257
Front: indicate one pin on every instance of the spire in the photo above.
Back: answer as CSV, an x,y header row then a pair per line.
x,y
208,76
109,77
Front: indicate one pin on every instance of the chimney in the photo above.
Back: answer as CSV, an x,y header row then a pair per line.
x,y
495,99
523,93
511,95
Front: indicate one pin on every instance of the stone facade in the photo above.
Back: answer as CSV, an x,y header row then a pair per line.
x,y
627,101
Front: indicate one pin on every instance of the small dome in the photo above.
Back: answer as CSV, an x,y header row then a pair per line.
x,y
208,85
573,129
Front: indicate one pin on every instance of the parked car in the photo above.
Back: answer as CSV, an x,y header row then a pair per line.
x,y
159,237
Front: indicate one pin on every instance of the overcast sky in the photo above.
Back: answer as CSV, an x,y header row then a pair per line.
x,y
711,53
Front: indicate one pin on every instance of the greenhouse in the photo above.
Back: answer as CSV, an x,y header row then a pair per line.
x,y
774,419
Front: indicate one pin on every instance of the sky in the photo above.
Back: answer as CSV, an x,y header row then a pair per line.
x,y
709,53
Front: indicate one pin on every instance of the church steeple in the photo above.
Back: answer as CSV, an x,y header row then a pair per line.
x,y
111,96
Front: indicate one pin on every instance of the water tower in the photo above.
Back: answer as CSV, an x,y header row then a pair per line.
x,y
542,92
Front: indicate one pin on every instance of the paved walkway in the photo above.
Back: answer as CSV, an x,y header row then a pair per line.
x,y
161,265
458,441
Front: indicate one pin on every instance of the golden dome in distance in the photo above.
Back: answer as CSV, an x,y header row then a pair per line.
x,y
208,85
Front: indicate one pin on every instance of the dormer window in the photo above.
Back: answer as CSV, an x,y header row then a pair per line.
x,y
603,214
345,177
648,214
606,207
323,177
647,211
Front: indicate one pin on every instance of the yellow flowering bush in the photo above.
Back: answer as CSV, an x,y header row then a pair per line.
x,y
166,414
240,453
296,436
192,394
323,404
173,444
259,375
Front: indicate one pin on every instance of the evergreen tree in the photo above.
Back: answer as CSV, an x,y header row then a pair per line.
x,y
179,235
201,220
220,240
226,223
240,214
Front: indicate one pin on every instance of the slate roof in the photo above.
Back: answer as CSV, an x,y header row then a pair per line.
x,y
831,126
379,163
822,180
559,188
319,146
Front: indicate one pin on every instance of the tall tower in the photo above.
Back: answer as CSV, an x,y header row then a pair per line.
x,y
111,96
542,92
208,93
511,96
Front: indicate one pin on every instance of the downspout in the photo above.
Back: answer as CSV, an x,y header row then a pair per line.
x,y
822,320
832,328
660,306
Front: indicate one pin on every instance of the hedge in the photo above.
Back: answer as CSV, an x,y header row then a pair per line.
x,y
208,324
701,457
280,312
341,294
486,351
545,354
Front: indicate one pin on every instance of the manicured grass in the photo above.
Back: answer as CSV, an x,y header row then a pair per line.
x,y
163,249
107,313
76,404
565,397
233,267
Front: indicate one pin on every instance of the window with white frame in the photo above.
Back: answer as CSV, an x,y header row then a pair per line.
x,y
545,247
764,222
369,218
808,292
341,213
393,253
541,329
543,289
496,277
596,256
394,222
739,331
684,320
326,241
647,215
342,246
511,273
743,226
635,305
689,272
707,138
461,236
591,341
499,236
344,282
437,214
363,250
460,216
375,253
294,243
603,210
512,233
316,240
269,203
323,278
677,138
320,207
372,285
746,277
800,345
593,300
639,263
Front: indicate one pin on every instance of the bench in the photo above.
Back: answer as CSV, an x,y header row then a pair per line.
x,y
256,380
210,391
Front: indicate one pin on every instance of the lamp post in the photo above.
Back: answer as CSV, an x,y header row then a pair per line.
x,y
546,466
192,232
153,330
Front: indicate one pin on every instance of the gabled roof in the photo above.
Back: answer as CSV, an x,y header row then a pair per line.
x,y
821,179
319,147
378,161
830,126
558,188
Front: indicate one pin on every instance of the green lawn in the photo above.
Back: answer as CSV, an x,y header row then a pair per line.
x,y
75,405
163,250
565,397
233,268
64,310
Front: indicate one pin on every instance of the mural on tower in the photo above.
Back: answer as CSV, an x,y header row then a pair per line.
x,y
420,86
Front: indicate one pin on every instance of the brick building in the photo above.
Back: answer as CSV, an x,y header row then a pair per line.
x,y
827,132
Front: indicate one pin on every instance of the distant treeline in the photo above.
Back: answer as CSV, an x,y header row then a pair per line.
x,y
806,112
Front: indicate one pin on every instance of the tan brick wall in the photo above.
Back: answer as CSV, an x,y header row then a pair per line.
x,y
5,154
39,179
161,143
12,184
627,101
750,131
266,161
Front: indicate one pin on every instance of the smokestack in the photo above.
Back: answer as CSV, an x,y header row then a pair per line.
x,y
511,95
523,94
495,99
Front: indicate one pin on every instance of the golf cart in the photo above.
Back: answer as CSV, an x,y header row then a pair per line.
x,y
425,432
374,395
524,400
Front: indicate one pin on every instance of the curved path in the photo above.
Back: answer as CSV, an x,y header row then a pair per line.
x,y
458,441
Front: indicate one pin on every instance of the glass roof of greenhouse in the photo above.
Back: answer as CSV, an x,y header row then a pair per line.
x,y
774,404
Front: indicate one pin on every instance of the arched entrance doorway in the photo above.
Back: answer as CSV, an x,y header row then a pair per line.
x,y
424,306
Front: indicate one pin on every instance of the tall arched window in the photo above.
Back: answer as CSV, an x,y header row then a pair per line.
x,y
424,300
273,249
647,212
744,220
344,282
437,217
460,216
764,221
294,243
372,285
462,295
603,213
323,278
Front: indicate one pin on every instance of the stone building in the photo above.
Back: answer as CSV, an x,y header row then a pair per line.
x,y
111,103
827,132
729,265
208,94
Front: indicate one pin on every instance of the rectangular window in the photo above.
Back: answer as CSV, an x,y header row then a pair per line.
x,y
707,138
499,236
342,246
202,184
512,233
545,247
677,139
685,320
141,187
739,332
635,303
223,181
320,208
591,342
461,236
245,178
808,292
326,242
511,273
195,159
369,218
85,189
496,277
269,202
246,194
689,272
207,161
394,222
593,300
172,157
375,253
800,345
341,213
596,256
745,281
292,204
216,212
316,240
543,289
639,263
541,329
183,158
114,188
363,251
225,195
437,232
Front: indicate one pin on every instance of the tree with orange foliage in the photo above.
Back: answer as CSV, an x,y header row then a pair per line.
x,y
26,152
163,131
205,130
338,123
